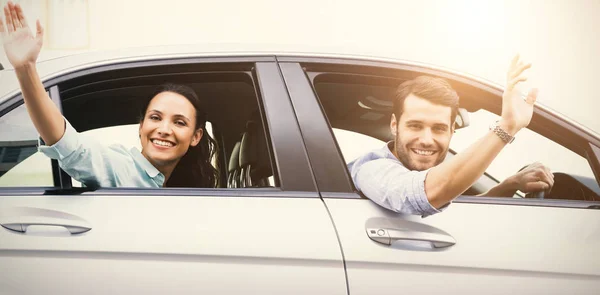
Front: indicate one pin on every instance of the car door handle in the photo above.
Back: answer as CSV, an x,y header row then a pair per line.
x,y
389,236
387,231
22,227
18,219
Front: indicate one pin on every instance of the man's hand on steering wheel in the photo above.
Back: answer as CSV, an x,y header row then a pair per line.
x,y
533,178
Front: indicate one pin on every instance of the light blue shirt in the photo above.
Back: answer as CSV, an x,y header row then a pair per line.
x,y
97,165
381,177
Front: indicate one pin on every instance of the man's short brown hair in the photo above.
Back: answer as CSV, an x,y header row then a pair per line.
x,y
435,90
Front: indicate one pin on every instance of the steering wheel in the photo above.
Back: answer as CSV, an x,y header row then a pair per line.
x,y
566,187
537,195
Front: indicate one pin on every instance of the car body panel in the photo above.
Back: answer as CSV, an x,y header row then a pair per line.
x,y
171,244
177,240
499,248
501,245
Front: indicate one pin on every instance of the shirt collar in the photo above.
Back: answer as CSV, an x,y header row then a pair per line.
x,y
141,161
388,150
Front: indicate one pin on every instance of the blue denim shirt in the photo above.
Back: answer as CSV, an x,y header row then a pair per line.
x,y
381,177
97,165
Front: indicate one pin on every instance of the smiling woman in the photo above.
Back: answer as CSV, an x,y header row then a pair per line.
x,y
170,130
173,138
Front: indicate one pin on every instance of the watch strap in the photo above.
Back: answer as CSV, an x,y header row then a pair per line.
x,y
502,133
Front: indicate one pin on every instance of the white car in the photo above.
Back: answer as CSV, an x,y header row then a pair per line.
x,y
287,218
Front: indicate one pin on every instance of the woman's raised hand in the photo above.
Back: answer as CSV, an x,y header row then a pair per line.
x,y
21,47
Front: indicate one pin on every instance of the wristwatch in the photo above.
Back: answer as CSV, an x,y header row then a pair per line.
x,y
495,127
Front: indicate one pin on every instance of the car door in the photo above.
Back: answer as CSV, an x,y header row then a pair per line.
x,y
60,239
478,245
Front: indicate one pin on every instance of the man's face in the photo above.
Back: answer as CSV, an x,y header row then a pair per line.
x,y
422,133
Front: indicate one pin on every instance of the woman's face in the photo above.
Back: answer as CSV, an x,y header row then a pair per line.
x,y
168,129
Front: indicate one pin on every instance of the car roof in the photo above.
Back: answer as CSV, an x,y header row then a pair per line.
x,y
55,67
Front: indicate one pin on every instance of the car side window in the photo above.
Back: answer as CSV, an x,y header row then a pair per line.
x,y
353,144
528,147
358,108
21,165
230,99
125,135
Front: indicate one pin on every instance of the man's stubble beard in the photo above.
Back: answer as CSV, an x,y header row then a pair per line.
x,y
404,158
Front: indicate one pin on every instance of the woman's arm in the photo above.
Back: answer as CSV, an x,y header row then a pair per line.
x,y
22,50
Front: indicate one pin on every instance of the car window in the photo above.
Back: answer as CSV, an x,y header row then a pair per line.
x,y
107,106
358,109
125,135
528,147
20,162
111,110
353,144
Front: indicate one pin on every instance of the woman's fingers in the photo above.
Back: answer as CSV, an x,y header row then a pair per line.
x,y
2,29
39,30
21,16
15,18
9,24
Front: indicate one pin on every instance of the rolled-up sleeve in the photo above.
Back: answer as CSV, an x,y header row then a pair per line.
x,y
394,187
63,148
82,158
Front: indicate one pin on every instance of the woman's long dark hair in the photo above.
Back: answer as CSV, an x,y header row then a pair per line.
x,y
194,168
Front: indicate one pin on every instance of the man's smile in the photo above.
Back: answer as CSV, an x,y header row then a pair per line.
x,y
422,152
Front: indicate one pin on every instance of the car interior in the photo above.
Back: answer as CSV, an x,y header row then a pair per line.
x,y
116,98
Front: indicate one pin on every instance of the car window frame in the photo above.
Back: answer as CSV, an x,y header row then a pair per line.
x,y
546,124
290,166
9,105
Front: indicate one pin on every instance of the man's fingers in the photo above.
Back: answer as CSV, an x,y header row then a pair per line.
x,y
520,69
9,24
544,177
514,61
515,81
549,172
532,96
550,178
537,186
539,180
21,16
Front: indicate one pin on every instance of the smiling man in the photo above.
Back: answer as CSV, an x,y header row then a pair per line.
x,y
409,174
428,105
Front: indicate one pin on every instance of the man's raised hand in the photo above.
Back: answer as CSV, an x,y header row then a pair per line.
x,y
516,110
